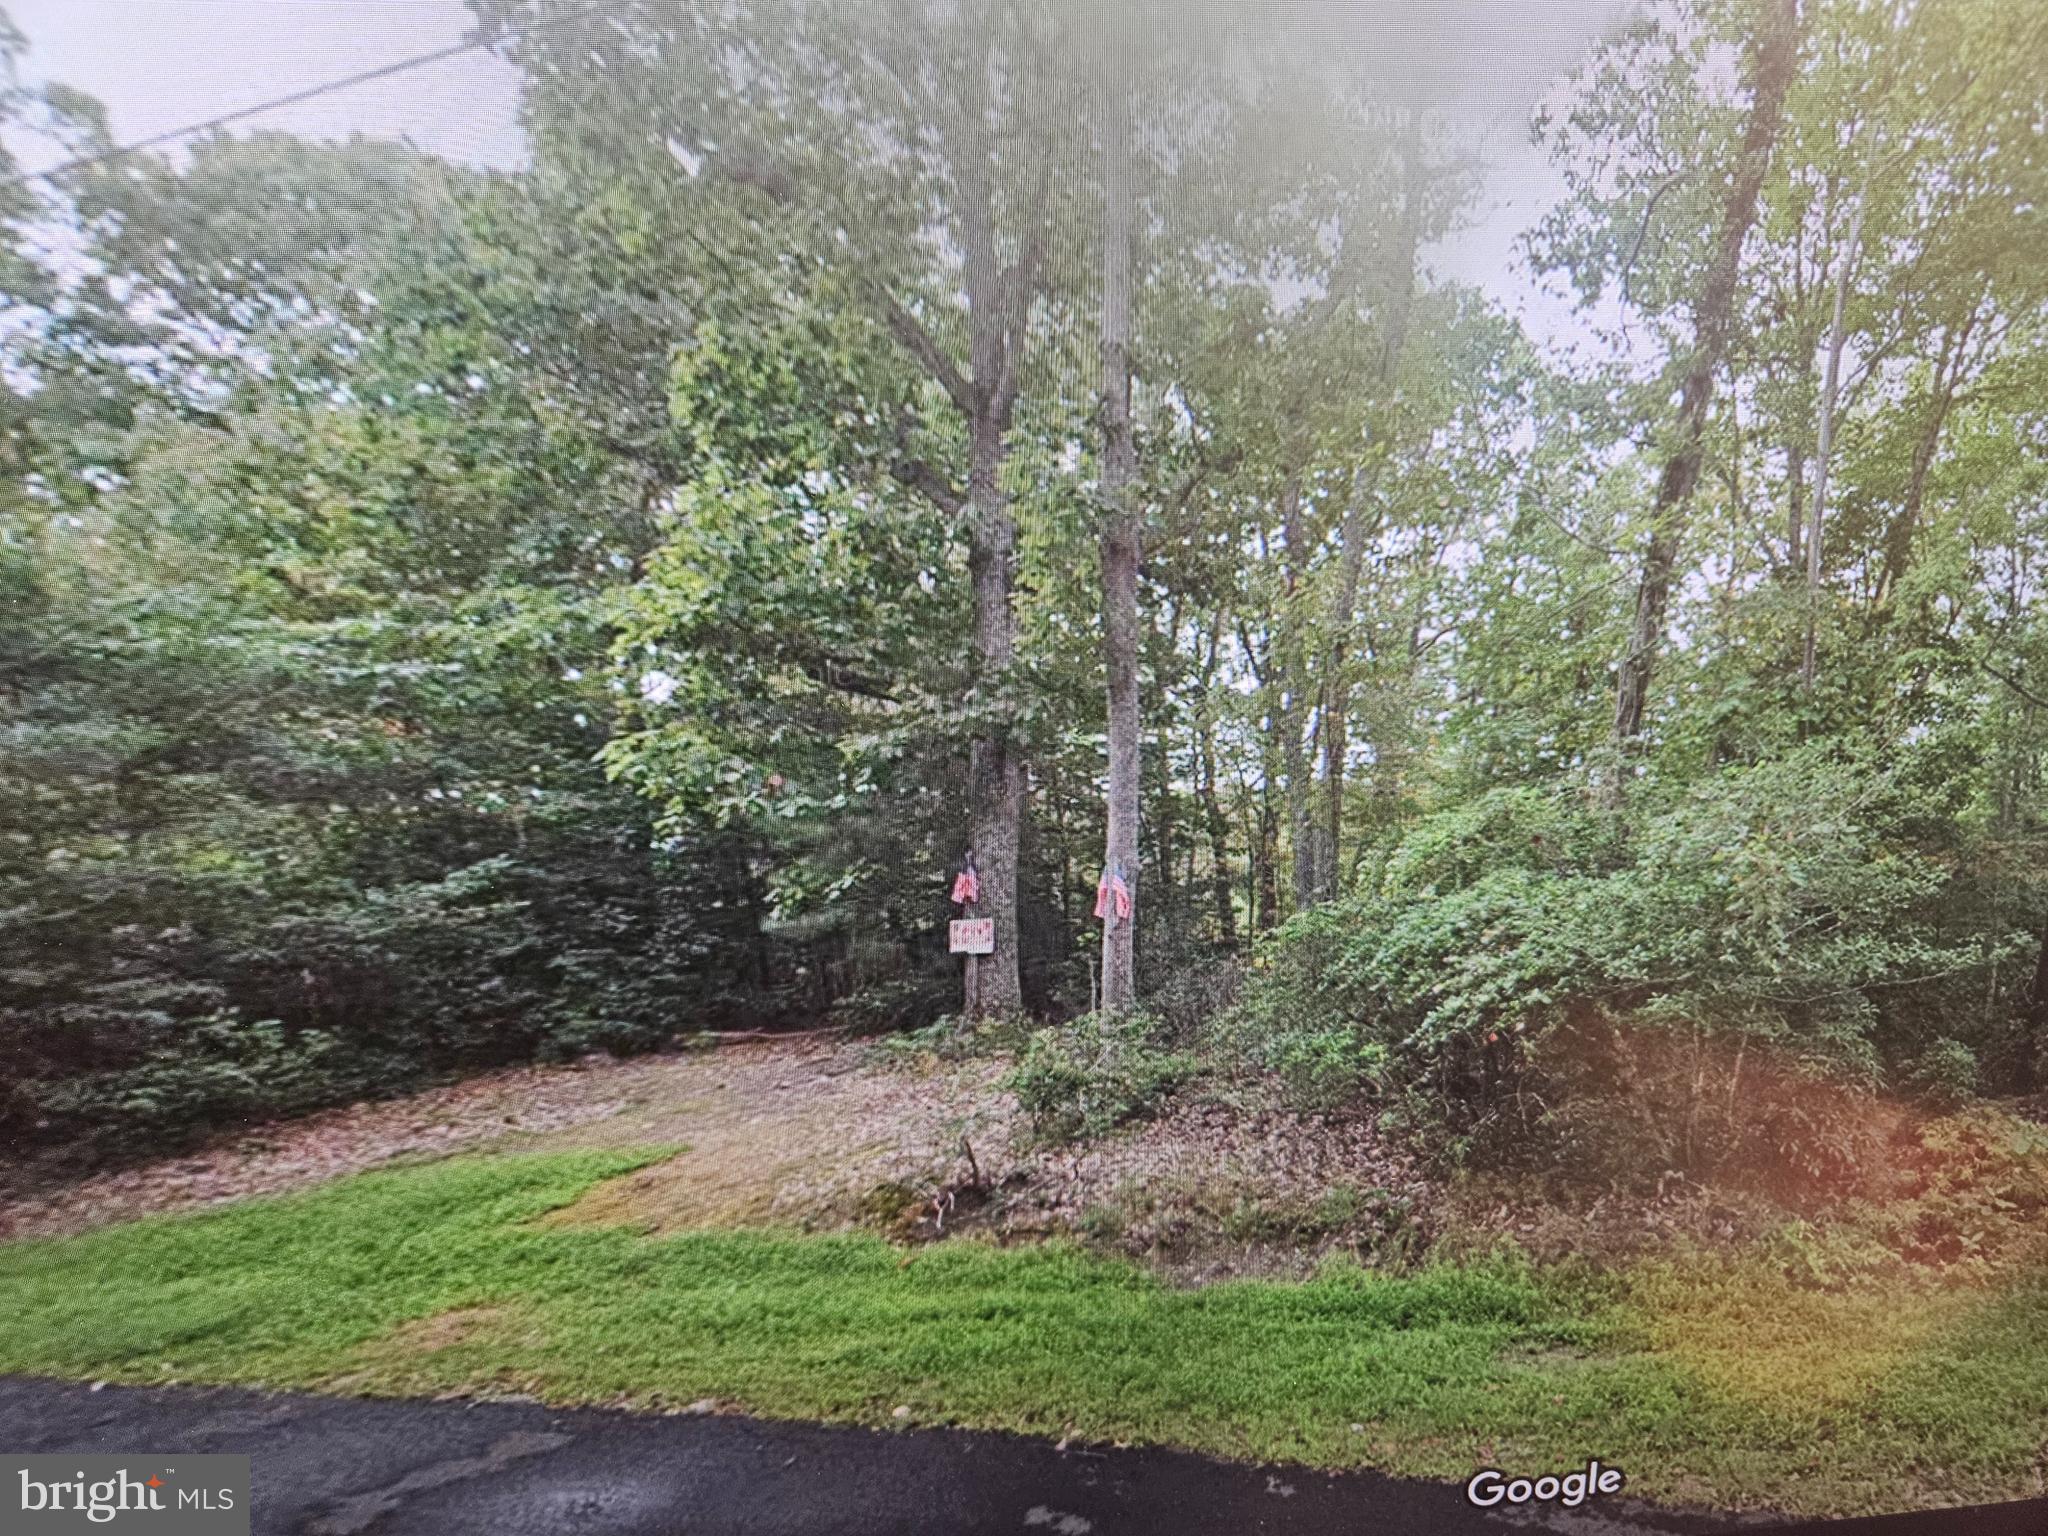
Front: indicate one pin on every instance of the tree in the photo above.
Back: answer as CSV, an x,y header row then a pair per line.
x,y
451,617
847,139
1120,547
1774,57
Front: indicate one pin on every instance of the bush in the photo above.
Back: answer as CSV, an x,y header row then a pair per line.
x,y
947,1038
1946,1072
573,1038
912,1001
1968,1188
1190,987
1327,1069
1527,973
219,1071
1084,1078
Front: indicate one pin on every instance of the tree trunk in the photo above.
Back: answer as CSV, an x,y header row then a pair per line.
x,y
1337,688
1795,522
999,300
995,767
1219,842
1165,842
2034,1035
1290,678
1268,877
1900,529
1830,393
1162,898
1120,555
1213,820
1774,59
1066,874
1311,846
1358,527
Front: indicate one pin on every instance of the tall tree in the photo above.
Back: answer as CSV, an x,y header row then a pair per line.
x,y
1361,509
1773,60
1120,546
905,152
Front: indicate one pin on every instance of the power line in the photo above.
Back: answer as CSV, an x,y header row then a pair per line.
x,y
84,162
170,135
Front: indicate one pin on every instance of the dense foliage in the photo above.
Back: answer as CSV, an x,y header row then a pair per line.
x,y
450,617
1808,907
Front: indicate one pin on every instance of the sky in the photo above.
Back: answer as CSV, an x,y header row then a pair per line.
x,y
163,64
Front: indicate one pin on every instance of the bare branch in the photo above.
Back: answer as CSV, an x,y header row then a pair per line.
x,y
1020,284
1580,539
1175,502
830,672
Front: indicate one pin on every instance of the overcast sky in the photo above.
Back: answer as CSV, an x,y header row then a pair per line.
x,y
162,64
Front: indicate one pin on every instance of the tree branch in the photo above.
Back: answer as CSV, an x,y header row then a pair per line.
x,y
917,475
830,672
917,341
1020,287
2013,683
1628,266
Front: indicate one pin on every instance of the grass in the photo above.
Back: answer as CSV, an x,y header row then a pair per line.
x,y
1710,1381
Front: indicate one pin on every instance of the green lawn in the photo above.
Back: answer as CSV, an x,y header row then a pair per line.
x,y
430,1278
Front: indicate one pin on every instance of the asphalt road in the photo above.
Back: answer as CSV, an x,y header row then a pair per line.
x,y
357,1467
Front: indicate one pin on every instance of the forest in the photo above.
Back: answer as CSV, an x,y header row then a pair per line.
x,y
454,617
1527,791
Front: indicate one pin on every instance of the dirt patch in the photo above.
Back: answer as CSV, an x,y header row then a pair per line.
x,y
1225,1183
445,1330
297,1154
1549,1220
422,1356
817,1137
814,1134
817,1134
777,1132
789,1134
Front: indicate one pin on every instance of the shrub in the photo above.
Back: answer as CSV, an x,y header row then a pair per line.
x,y
571,1038
1970,1188
217,1071
1526,972
1327,1068
1186,984
913,1001
1946,1072
949,1037
1084,1078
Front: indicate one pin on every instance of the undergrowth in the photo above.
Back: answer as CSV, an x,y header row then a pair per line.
x,y
1096,1073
